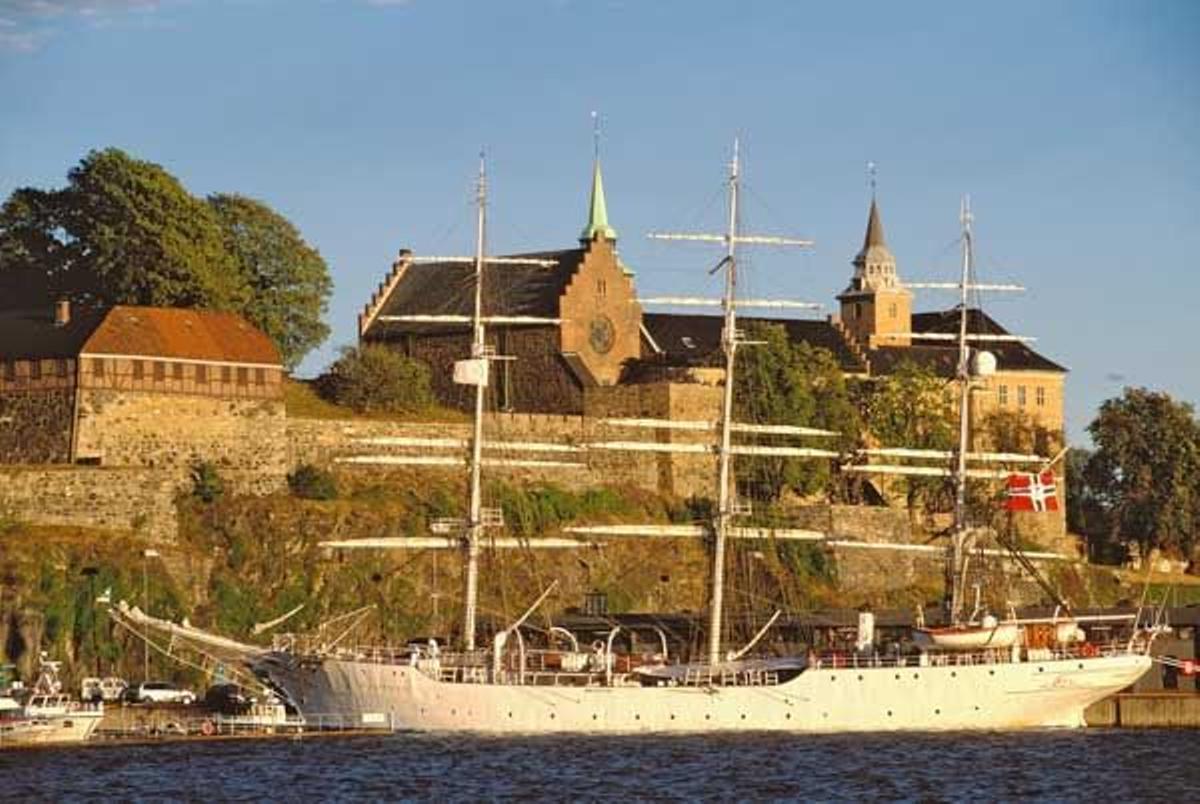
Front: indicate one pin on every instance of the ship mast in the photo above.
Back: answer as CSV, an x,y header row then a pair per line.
x,y
726,502
474,523
724,459
959,535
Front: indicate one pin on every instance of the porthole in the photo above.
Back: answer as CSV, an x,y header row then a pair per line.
x,y
889,713
860,678
743,717
708,717
672,717
916,675
552,716
937,711
1041,669
897,676
788,716
991,672
637,717
510,714
1081,665
595,717
833,678
953,674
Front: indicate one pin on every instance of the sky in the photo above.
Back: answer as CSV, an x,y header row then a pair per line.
x,y
1073,126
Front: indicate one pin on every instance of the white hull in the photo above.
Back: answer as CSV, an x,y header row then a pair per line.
x,y
1000,695
75,727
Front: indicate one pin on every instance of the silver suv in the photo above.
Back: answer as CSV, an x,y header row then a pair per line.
x,y
163,692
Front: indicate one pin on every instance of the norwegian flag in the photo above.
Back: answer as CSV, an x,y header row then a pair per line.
x,y
1032,492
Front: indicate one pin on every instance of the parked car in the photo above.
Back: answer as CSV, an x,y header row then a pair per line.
x,y
107,689
162,692
227,699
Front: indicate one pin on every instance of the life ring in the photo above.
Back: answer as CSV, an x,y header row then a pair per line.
x,y
208,728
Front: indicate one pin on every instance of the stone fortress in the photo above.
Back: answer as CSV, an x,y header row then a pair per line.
x,y
104,411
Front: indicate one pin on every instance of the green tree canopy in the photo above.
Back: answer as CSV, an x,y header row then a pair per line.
x,y
780,382
1145,471
126,231
912,408
289,282
374,378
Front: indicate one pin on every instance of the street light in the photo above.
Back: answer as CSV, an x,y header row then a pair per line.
x,y
90,573
147,554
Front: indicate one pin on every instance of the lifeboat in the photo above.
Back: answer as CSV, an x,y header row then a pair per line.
x,y
988,634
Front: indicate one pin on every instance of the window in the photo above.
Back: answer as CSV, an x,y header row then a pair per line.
x,y
260,376
10,370
858,309
1020,396
891,310
35,369
1003,393
1041,397
202,375
160,371
225,374
601,288
243,376
139,370
177,371
98,366
60,367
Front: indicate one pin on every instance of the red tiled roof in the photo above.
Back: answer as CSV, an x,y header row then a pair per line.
x,y
184,334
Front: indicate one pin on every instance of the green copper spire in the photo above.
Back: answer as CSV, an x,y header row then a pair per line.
x,y
597,225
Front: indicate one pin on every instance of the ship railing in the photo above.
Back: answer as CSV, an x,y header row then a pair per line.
x,y
167,725
946,658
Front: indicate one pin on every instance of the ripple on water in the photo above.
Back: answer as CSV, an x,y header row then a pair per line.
x,y
1100,765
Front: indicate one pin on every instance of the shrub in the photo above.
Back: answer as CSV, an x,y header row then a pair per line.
x,y
309,482
375,378
206,482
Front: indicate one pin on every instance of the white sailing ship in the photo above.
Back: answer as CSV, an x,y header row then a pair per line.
x,y
975,674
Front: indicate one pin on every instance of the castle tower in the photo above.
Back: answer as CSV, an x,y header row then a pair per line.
x,y
876,308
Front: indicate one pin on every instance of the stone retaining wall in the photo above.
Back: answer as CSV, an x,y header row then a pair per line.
x,y
139,500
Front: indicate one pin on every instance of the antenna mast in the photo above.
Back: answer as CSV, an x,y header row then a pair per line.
x,y
729,342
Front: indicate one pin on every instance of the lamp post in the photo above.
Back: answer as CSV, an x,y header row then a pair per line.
x,y
147,554
90,573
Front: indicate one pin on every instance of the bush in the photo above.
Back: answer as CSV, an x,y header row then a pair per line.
x,y
311,483
206,482
376,379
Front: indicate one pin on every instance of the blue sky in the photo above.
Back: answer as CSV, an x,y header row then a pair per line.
x,y
1073,125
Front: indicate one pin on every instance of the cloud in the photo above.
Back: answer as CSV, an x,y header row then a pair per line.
x,y
55,8
26,24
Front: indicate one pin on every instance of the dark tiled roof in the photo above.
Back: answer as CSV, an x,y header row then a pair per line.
x,y
943,357
182,333
695,340
29,332
447,289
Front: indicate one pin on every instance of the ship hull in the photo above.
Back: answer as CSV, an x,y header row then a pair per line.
x,y
1052,693
72,728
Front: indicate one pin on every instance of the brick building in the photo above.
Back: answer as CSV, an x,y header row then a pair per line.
x,y
603,338
587,290
137,386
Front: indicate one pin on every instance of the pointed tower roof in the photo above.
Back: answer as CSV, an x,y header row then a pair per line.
x,y
874,265
874,249
597,225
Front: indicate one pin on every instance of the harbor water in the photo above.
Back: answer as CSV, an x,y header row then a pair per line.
x,y
1077,765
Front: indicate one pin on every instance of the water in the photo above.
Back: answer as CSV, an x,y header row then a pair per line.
x,y
1095,765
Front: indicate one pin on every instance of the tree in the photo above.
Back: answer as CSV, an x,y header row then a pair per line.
x,y
289,281
1016,431
1145,471
375,378
1085,513
125,230
780,382
912,408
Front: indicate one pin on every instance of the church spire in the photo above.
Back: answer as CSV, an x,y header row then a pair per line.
x,y
874,236
597,225
874,264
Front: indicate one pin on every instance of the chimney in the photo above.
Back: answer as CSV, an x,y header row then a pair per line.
x,y
62,312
